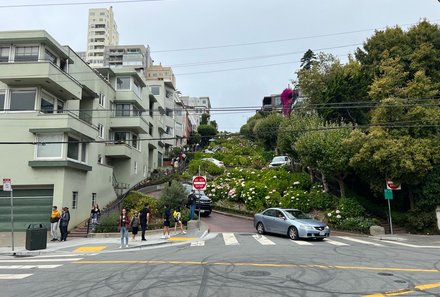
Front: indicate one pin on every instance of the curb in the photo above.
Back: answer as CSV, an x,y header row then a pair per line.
x,y
233,215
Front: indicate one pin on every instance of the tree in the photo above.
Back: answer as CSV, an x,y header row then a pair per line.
x,y
307,59
247,130
194,138
266,130
205,119
206,132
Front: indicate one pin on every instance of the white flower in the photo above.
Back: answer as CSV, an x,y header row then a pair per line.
x,y
323,191
253,172
279,203
274,176
296,183
337,211
213,190
249,198
329,214
338,216
267,197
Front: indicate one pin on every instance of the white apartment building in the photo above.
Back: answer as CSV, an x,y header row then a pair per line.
x,y
71,135
102,32
196,107
133,56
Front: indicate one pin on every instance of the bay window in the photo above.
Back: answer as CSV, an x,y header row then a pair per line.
x,y
26,53
22,100
123,83
49,146
4,54
2,100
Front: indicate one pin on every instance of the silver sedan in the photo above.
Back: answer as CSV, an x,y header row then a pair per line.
x,y
291,222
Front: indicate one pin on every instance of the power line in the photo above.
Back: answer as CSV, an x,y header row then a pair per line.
x,y
76,3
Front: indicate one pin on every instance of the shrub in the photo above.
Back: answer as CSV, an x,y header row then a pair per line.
x,y
108,223
359,224
135,201
173,196
421,222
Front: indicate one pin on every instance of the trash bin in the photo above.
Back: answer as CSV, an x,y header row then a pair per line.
x,y
36,237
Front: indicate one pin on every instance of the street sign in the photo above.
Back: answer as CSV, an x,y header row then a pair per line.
x,y
199,183
392,186
388,194
7,185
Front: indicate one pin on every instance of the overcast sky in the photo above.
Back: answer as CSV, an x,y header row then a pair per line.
x,y
174,29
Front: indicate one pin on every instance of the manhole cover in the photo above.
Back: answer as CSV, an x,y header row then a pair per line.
x,y
385,274
400,281
255,273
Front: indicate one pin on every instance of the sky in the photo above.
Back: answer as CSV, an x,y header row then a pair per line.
x,y
234,51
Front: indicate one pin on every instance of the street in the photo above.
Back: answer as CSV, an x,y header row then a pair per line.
x,y
236,263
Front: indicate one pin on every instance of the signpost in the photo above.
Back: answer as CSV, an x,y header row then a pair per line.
x,y
388,193
7,187
199,184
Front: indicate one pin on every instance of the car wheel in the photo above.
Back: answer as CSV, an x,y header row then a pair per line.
x,y
292,233
260,228
320,239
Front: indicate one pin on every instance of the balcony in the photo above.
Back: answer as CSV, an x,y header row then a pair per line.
x,y
118,151
128,97
135,123
44,74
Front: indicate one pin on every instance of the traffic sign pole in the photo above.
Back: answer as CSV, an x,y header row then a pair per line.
x,y
7,187
388,196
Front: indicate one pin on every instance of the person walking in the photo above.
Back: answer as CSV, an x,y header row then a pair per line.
x,y
54,218
124,224
177,215
95,214
144,218
166,222
192,198
135,225
64,223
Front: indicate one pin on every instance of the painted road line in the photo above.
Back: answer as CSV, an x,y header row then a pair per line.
x,y
198,243
181,238
263,239
85,249
230,239
406,291
29,266
40,260
335,242
360,241
299,242
55,256
413,245
14,276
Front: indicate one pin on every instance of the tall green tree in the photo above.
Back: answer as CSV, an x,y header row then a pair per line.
x,y
307,59
266,130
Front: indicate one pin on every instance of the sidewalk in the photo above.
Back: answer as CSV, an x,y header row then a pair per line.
x,y
97,242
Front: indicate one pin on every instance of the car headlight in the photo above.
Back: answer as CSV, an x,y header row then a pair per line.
x,y
307,227
327,228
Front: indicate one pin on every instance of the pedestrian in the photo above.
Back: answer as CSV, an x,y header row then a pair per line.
x,y
64,223
54,218
192,198
124,224
95,214
177,215
144,218
166,222
135,225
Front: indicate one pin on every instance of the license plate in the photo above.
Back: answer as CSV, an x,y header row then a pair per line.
x,y
202,211
322,233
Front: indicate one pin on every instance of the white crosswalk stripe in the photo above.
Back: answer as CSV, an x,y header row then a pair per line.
x,y
263,239
25,264
360,241
230,239
299,242
198,243
335,242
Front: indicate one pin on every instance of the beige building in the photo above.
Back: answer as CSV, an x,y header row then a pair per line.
x,y
71,135
196,107
102,32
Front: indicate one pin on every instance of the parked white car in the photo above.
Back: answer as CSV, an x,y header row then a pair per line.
x,y
280,161
215,161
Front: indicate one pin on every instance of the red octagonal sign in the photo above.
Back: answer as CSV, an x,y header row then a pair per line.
x,y
199,183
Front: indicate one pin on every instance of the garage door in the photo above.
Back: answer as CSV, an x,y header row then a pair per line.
x,y
31,206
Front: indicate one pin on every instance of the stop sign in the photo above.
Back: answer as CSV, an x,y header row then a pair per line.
x,y
199,183
392,186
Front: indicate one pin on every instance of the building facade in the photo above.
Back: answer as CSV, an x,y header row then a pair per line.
x,y
102,32
71,135
196,107
133,56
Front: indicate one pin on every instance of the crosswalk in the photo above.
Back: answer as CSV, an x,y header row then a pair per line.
x,y
232,239
14,269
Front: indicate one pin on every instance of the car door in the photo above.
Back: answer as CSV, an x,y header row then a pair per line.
x,y
280,224
268,220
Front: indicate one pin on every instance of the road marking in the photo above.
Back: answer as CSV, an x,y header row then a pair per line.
x,y
413,245
406,291
29,266
14,276
250,264
360,241
56,256
181,238
40,260
299,242
263,239
335,242
84,249
230,239
198,243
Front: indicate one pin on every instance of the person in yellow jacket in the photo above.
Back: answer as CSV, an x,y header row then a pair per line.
x,y
54,218
177,215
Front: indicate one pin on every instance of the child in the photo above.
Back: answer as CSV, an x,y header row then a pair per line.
x,y
177,215
135,225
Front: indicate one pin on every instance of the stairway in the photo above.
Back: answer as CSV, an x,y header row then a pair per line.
x,y
79,231
396,229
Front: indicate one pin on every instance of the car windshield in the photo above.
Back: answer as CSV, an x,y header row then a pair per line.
x,y
279,159
296,214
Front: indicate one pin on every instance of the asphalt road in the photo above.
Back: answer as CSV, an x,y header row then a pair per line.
x,y
224,223
238,264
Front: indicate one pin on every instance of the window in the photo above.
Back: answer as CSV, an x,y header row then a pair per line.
x,y
100,131
47,105
123,110
120,137
2,100
73,148
83,152
123,83
179,127
26,53
145,170
136,89
155,90
135,167
60,106
134,140
101,100
48,56
4,54
74,200
159,159
46,148
93,199
100,160
22,100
